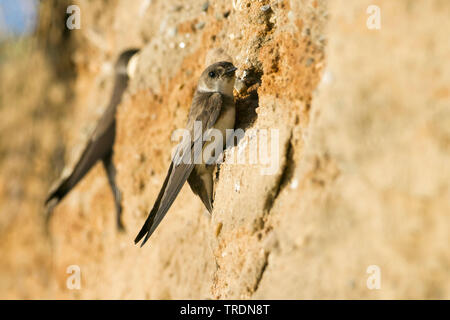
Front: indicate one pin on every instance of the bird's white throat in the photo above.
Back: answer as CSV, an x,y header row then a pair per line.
x,y
224,87
132,65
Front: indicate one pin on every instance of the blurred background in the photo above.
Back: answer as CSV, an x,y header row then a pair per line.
x,y
18,18
364,177
33,102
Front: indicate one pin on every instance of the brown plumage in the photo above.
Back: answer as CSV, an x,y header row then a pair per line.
x,y
100,145
213,106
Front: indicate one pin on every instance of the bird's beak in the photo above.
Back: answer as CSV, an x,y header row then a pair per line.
x,y
230,70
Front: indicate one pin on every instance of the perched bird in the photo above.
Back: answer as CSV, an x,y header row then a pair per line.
x,y
212,108
100,144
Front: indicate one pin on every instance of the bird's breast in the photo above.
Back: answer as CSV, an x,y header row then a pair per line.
x,y
225,121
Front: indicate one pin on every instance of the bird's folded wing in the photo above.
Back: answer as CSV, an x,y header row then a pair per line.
x,y
96,148
181,166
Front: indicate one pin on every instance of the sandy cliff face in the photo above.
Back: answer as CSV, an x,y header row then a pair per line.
x,y
360,177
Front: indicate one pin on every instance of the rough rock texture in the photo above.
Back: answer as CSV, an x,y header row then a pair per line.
x,y
361,175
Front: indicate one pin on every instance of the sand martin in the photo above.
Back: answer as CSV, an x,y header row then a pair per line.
x,y
100,144
212,107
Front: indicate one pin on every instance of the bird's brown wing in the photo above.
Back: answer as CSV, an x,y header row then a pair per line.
x,y
94,151
98,146
205,109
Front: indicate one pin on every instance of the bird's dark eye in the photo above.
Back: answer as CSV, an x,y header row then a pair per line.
x,y
211,74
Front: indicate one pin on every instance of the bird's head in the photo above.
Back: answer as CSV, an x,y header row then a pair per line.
x,y
218,77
